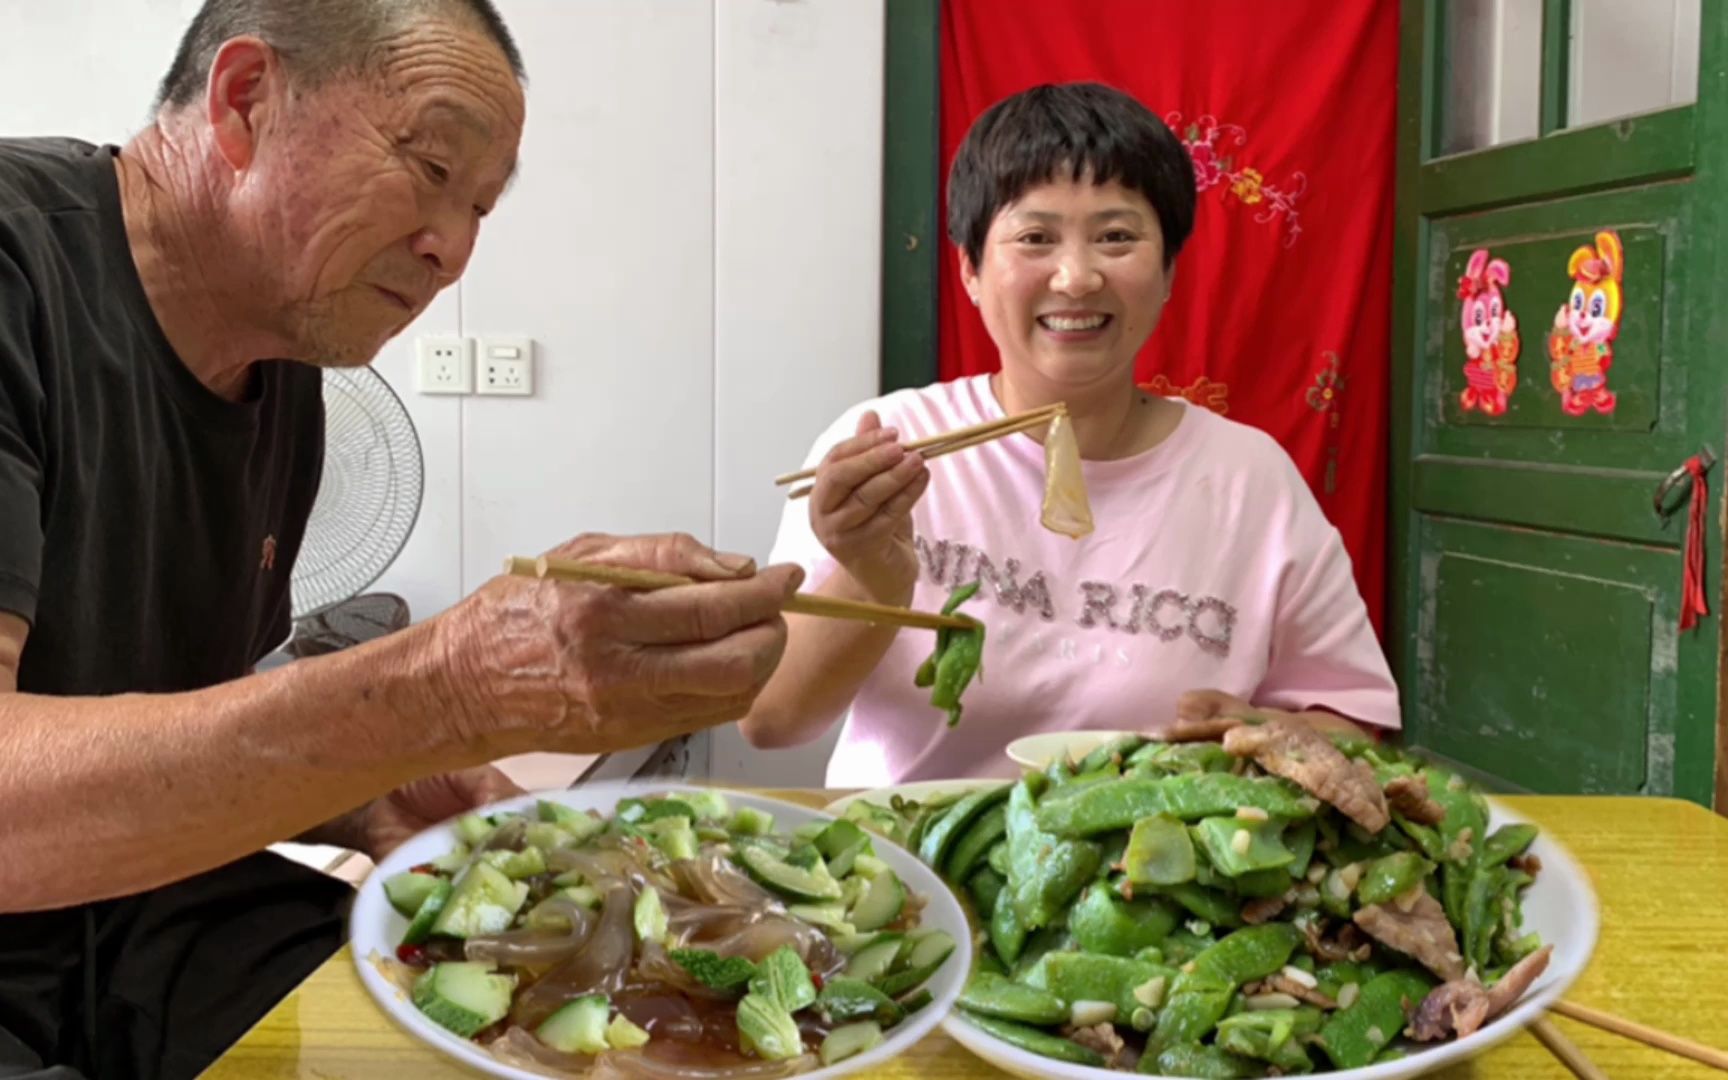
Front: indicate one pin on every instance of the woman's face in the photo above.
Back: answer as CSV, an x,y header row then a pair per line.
x,y
1071,281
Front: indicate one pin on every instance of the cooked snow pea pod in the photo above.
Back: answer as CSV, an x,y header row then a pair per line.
x,y
1392,876
1215,907
1040,943
1272,1036
1333,978
1038,1042
1235,846
1007,932
1464,829
956,658
1105,807
1299,838
1102,922
995,995
958,665
1205,1062
1250,953
1047,871
1507,842
1262,883
1160,852
985,885
1127,984
1168,759
943,833
1353,1037
1110,754
1201,995
1426,837
1481,914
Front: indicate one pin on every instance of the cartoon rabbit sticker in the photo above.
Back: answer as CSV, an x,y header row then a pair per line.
x,y
1580,348
1490,335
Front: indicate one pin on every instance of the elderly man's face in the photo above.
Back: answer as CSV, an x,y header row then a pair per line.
x,y
366,194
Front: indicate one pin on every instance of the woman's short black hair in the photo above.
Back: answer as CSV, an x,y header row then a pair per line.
x,y
1078,130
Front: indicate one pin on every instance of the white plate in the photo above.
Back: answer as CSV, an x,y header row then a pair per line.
x,y
375,928
1037,751
1560,906
916,791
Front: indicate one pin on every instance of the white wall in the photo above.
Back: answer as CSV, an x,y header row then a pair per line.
x,y
692,242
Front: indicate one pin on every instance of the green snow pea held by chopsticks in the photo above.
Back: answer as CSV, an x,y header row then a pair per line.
x,y
958,656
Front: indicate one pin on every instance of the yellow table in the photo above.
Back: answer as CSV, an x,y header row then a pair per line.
x,y
1660,869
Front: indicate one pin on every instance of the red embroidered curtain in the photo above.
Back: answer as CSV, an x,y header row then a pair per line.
x,y
1280,313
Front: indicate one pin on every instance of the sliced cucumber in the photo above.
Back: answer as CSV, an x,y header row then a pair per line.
x,y
749,821
451,861
881,904
547,836
926,956
709,804
838,836
841,865
850,1040
868,865
650,916
406,892
578,823
874,961
829,916
672,835
788,880
420,927
483,902
472,829
517,865
463,996
578,1027
621,1034
585,895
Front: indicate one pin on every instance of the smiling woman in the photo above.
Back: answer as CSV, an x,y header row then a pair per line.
x,y
1210,565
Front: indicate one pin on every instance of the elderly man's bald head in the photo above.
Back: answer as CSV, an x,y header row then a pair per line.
x,y
317,39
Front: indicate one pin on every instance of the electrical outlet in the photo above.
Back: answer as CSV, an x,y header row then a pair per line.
x,y
446,365
506,366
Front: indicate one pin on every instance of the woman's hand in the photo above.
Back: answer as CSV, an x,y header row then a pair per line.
x,y
861,509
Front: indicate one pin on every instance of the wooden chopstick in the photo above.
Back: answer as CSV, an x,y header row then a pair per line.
x,y
1565,1049
800,604
1025,423
991,429
1649,1036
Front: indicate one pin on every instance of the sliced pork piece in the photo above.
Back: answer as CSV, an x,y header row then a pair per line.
x,y
1415,925
1462,1006
1295,751
1409,796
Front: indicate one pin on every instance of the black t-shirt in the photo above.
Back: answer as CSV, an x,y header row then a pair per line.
x,y
148,527
148,531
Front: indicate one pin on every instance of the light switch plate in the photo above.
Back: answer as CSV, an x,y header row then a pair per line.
x,y
506,366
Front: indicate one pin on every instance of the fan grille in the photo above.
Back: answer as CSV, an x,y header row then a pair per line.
x,y
369,496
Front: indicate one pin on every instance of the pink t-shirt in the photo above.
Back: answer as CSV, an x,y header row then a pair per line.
x,y
1212,567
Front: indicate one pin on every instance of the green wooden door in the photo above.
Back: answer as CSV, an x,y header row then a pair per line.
x,y
1535,620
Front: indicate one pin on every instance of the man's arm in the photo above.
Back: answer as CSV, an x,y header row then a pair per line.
x,y
106,796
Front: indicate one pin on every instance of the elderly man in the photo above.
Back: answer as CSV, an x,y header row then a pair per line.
x,y
316,171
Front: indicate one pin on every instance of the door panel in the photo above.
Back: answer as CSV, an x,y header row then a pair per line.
x,y
1552,658
1536,633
